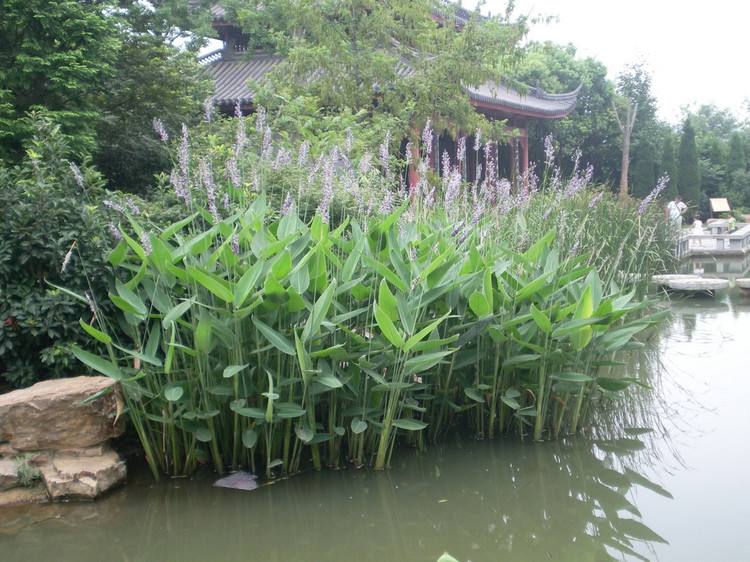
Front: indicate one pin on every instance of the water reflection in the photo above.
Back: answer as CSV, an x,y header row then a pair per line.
x,y
483,501
659,460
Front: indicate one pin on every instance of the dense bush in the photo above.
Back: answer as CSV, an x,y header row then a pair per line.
x,y
50,230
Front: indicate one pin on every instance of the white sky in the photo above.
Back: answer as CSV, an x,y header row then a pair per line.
x,y
698,52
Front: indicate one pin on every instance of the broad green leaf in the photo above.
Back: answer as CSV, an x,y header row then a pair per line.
x,y
474,394
383,271
176,312
249,438
232,370
358,426
479,304
387,300
409,424
425,361
533,287
203,435
540,319
173,393
274,338
305,434
318,313
523,359
100,365
581,338
424,332
246,284
387,327
569,376
94,333
213,284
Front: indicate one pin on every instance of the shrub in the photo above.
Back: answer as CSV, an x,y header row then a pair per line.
x,y
50,230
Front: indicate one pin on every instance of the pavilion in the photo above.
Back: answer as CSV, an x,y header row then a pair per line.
x,y
232,68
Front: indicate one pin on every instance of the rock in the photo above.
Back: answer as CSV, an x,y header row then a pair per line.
x,y
50,416
19,496
72,476
8,474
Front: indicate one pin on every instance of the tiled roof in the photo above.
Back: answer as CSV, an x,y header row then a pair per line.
x,y
231,77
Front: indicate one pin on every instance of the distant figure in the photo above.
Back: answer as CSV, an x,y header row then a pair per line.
x,y
732,223
675,209
697,225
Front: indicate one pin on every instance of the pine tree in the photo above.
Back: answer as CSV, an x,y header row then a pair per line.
x,y
668,167
737,160
688,171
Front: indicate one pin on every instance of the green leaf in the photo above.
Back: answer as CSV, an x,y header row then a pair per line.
x,y
387,300
523,359
176,312
409,424
479,304
203,435
249,438
246,284
424,332
358,426
305,434
425,361
94,333
383,271
568,376
213,284
388,328
173,393
540,319
232,370
533,287
581,338
329,380
97,363
274,338
474,394
318,313
131,298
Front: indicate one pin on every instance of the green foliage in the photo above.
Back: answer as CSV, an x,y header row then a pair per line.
x,y
28,475
644,170
54,54
44,216
102,71
348,55
591,127
688,172
254,338
669,167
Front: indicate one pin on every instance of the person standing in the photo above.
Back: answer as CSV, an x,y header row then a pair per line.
x,y
675,209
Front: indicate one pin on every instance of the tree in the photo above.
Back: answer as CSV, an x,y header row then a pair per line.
x,y
349,56
626,126
591,126
737,160
102,70
668,166
688,172
54,56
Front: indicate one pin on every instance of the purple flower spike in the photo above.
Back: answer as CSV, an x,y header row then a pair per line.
x,y
160,129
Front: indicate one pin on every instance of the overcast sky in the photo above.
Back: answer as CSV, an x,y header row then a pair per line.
x,y
698,52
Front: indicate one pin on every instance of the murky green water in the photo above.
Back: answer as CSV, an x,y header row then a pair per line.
x,y
673,487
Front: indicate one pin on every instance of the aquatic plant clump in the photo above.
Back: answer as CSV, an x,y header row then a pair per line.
x,y
251,337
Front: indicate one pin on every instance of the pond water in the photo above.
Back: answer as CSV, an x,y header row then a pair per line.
x,y
665,478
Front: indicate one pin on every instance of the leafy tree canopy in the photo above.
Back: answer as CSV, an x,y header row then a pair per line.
x,y
391,59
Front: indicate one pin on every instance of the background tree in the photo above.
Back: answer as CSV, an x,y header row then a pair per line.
x,y
591,126
102,70
645,170
668,166
688,172
348,57
626,123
